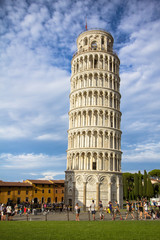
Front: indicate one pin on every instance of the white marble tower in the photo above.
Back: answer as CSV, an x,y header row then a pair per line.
x,y
94,135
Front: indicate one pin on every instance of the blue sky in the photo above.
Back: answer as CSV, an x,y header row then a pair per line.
x,y
37,42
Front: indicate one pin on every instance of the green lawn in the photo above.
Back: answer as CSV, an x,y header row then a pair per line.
x,y
129,230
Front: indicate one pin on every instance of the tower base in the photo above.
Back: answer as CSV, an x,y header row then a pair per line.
x,y
84,186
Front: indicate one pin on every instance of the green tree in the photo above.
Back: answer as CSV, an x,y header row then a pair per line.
x,y
140,184
156,189
136,185
145,184
125,187
150,190
155,173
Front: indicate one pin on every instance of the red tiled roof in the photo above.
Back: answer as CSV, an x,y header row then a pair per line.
x,y
28,183
14,184
58,181
155,180
45,181
40,181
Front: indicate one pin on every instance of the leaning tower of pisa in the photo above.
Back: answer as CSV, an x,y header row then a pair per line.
x,y
94,135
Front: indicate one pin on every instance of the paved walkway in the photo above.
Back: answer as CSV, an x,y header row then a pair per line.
x,y
64,216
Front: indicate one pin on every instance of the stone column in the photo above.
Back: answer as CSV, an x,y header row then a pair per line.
x,y
109,191
97,162
113,163
103,139
73,197
66,193
73,162
85,162
84,196
119,191
112,64
97,194
91,162
109,163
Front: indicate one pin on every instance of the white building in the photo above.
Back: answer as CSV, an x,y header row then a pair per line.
x,y
94,135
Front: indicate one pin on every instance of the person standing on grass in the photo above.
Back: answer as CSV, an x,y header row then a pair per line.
x,y
93,209
77,209
117,211
129,210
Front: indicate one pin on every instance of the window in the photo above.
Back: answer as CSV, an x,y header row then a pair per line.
x,y
49,185
94,45
56,199
49,191
95,63
62,199
26,192
62,192
56,190
43,191
26,199
85,41
9,192
102,40
19,192
35,191
42,185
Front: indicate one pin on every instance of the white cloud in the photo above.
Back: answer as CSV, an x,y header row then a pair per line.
x,y
31,161
51,175
52,137
143,153
36,44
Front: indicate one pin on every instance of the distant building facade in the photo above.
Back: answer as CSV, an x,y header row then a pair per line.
x,y
35,191
94,135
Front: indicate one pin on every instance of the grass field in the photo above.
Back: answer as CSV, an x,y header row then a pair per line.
x,y
129,230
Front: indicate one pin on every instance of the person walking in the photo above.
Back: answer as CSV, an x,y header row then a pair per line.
x,y
101,212
111,210
93,209
9,211
129,210
140,210
117,211
77,209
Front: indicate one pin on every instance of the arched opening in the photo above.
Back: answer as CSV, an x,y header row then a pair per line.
x,y
94,164
70,202
94,45
85,41
35,200
96,61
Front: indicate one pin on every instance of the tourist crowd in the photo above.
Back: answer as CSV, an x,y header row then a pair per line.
x,y
137,210
141,209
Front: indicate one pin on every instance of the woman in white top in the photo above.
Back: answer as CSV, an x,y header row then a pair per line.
x,y
77,209
145,207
